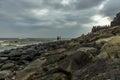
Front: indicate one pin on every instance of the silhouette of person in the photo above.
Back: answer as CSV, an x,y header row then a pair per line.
x,y
58,37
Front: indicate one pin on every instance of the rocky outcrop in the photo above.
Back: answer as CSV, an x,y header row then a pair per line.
x,y
56,70
116,20
111,49
99,70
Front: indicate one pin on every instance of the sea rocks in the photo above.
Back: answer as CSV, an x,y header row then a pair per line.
x,y
54,58
15,53
29,70
90,50
4,75
112,48
7,66
106,69
75,61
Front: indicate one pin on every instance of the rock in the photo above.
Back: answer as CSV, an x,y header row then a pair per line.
x,y
90,50
75,61
106,69
55,76
51,59
112,48
30,70
7,66
59,70
15,53
60,50
27,57
5,74
36,63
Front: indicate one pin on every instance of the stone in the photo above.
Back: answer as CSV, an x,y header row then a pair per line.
x,y
90,50
7,66
27,57
75,61
112,48
31,69
51,59
5,74
103,69
15,53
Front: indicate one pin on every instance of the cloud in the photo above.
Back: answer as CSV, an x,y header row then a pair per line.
x,y
47,18
111,8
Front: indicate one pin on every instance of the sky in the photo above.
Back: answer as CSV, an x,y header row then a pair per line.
x,y
51,18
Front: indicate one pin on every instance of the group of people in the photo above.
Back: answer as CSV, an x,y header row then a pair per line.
x,y
59,38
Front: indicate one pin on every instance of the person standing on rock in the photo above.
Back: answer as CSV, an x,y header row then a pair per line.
x,y
58,38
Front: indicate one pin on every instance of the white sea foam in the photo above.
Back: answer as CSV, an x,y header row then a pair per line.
x,y
4,44
15,43
2,41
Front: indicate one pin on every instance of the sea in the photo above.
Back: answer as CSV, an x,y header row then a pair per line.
x,y
12,43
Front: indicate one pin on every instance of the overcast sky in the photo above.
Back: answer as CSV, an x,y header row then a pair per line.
x,y
51,18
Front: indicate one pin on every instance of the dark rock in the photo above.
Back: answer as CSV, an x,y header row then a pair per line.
x,y
75,61
7,66
31,69
14,58
15,53
99,70
54,58
27,57
5,74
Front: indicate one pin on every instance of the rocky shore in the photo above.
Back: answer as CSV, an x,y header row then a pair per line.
x,y
95,56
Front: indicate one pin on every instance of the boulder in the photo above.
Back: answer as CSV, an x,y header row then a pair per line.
x,y
75,61
5,74
15,53
31,69
7,66
112,48
51,59
90,50
104,69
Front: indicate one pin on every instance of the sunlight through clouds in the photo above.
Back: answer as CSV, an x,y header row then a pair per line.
x,y
40,12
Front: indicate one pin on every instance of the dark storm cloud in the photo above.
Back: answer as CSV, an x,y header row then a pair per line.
x,y
85,4
111,8
45,18
74,4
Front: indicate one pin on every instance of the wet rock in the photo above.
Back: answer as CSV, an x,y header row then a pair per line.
x,y
99,70
56,76
14,58
15,53
27,57
75,61
30,70
90,50
112,48
7,66
5,74
54,58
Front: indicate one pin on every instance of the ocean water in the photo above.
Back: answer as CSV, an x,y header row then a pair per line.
x,y
11,43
